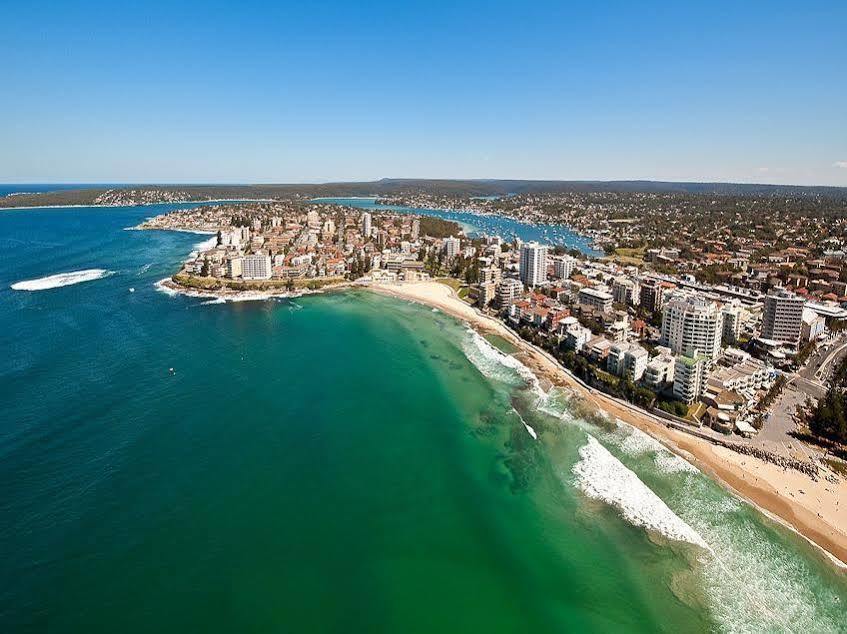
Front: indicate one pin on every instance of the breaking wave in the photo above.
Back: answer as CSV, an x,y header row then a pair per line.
x,y
637,443
205,245
526,425
754,583
603,477
61,279
495,364
667,462
163,288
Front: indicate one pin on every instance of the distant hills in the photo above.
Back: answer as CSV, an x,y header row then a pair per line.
x,y
393,186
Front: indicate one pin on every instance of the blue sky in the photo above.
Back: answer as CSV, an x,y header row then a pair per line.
x,y
304,92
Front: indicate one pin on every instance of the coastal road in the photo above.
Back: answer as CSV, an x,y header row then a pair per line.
x,y
822,361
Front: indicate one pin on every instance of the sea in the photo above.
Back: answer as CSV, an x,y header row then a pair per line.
x,y
344,462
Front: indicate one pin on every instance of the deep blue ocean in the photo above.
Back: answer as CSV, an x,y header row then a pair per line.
x,y
38,188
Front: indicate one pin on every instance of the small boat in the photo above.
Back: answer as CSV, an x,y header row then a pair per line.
x,y
131,289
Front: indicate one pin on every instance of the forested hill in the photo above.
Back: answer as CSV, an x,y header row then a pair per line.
x,y
142,194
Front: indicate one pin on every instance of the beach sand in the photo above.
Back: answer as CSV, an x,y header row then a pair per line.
x,y
809,507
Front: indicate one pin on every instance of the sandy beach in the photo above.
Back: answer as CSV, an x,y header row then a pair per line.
x,y
809,507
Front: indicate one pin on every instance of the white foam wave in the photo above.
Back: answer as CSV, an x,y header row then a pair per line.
x,y
163,288
603,477
667,462
556,406
210,302
61,279
252,296
495,364
753,582
205,245
200,247
638,442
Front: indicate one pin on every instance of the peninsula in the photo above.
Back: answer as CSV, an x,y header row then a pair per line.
x,y
736,394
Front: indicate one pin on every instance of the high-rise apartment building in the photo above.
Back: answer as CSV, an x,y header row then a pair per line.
x,y
782,318
533,263
691,322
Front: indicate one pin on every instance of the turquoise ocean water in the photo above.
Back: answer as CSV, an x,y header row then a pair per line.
x,y
337,463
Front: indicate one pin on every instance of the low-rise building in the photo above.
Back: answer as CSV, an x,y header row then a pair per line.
x,y
659,372
598,349
812,327
595,298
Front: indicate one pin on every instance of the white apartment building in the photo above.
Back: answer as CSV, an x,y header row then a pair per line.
x,y
627,360
490,274
452,245
563,266
508,292
366,224
487,291
691,322
748,375
635,362
533,263
237,237
659,371
614,362
256,267
689,378
625,291
782,317
812,327
328,230
596,298
732,321
576,336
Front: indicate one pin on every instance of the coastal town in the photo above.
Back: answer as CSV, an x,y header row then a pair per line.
x,y
717,356
749,366
424,318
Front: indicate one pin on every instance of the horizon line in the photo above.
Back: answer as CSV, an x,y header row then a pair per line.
x,y
389,179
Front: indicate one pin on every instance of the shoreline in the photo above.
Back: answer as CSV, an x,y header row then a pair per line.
x,y
807,507
169,287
